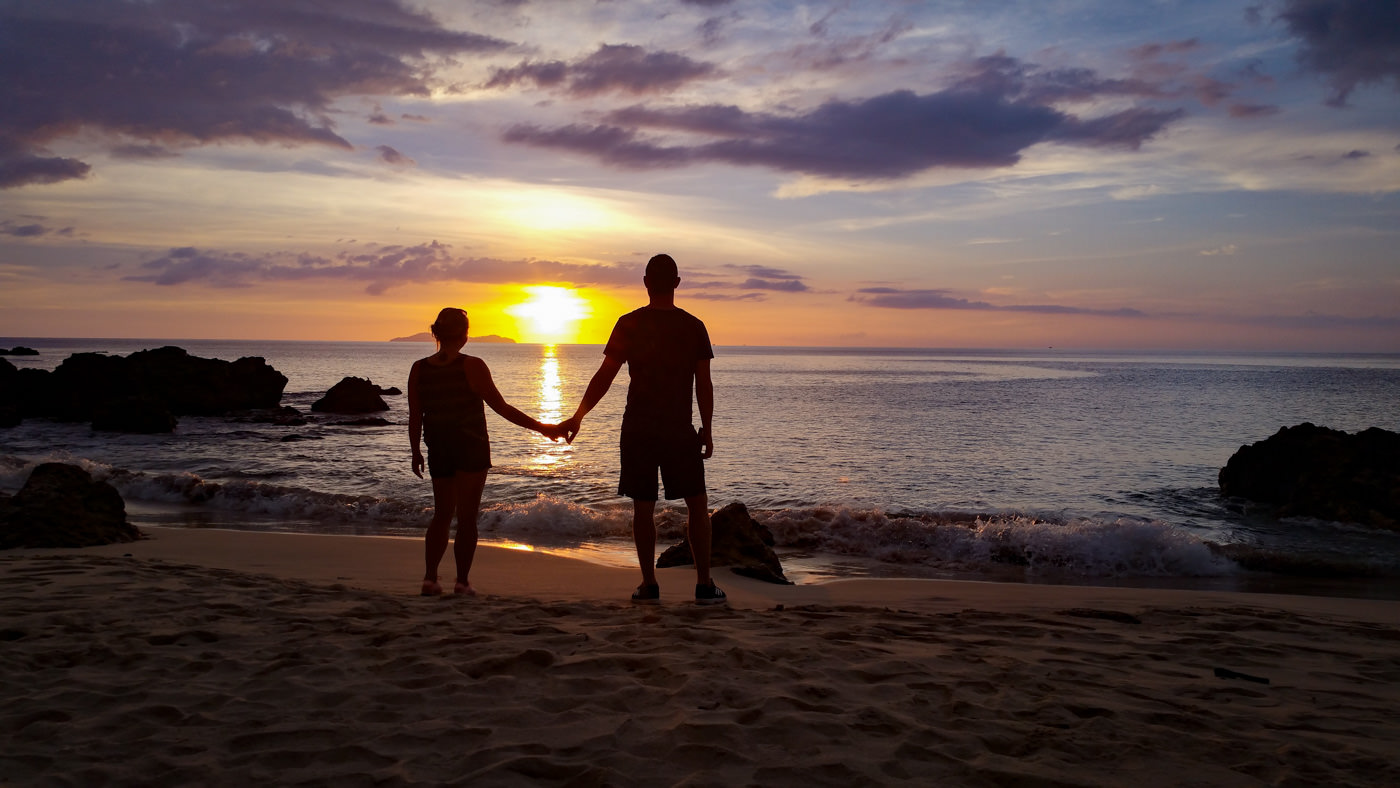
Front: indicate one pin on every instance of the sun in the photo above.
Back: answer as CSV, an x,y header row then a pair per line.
x,y
551,313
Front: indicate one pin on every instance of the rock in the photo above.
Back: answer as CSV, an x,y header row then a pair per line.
x,y
19,351
351,395
392,391
183,384
61,506
1310,471
133,414
9,401
737,541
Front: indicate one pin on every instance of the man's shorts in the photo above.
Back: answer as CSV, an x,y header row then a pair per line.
x,y
451,454
677,456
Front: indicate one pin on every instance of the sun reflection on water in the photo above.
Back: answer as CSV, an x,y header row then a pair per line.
x,y
550,454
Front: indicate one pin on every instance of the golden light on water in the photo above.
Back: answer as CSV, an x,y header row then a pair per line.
x,y
551,387
550,314
551,409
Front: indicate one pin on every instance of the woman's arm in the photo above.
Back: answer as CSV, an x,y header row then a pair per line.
x,y
479,376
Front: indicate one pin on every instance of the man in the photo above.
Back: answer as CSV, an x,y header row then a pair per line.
x,y
667,352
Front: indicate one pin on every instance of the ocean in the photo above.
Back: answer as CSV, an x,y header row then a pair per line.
x,y
1054,466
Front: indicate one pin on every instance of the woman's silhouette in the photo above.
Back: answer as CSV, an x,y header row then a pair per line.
x,y
447,392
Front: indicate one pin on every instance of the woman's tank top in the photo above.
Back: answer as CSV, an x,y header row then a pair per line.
x,y
450,406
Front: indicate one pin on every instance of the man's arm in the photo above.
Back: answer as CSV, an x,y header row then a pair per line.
x,y
597,387
705,399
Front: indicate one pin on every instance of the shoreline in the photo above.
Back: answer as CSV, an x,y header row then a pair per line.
x,y
234,658
393,565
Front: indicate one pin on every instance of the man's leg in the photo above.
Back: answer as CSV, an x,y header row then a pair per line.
x,y
644,535
697,532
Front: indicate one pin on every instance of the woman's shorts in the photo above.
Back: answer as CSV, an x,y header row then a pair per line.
x,y
451,455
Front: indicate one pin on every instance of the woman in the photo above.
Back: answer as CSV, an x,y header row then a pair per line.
x,y
446,394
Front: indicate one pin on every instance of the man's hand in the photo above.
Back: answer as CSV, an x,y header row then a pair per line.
x,y
418,464
553,431
570,428
707,444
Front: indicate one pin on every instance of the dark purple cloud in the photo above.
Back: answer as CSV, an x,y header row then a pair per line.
x,y
382,268
895,298
1351,42
23,230
143,152
982,123
762,277
1253,110
183,72
623,68
726,297
390,156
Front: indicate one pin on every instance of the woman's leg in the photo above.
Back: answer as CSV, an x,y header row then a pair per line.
x,y
468,490
435,543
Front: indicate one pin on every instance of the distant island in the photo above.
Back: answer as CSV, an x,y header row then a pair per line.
x,y
427,336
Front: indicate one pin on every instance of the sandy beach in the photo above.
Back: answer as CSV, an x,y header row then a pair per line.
x,y
233,658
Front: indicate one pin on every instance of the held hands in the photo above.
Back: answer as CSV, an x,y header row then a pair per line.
x,y
571,426
555,432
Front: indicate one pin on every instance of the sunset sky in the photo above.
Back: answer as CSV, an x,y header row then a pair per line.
x,y
1069,173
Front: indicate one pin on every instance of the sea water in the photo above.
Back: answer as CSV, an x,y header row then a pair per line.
x,y
1045,465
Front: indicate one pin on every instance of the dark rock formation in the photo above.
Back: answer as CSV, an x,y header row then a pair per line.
x,y
132,414
351,395
1310,471
181,383
9,395
737,541
19,350
392,391
61,506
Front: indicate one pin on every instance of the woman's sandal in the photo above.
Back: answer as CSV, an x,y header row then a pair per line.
x,y
431,588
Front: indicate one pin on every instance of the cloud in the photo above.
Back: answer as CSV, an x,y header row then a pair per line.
x,y
381,269
624,68
390,156
762,277
894,298
997,109
31,229
20,167
726,297
1226,250
146,152
1252,110
184,73
1351,42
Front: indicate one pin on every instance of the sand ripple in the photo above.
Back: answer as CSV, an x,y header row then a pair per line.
x,y
126,671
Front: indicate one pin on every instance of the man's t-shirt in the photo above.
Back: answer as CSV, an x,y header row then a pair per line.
x,y
660,348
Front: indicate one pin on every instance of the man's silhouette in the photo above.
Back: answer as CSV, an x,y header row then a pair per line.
x,y
667,352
